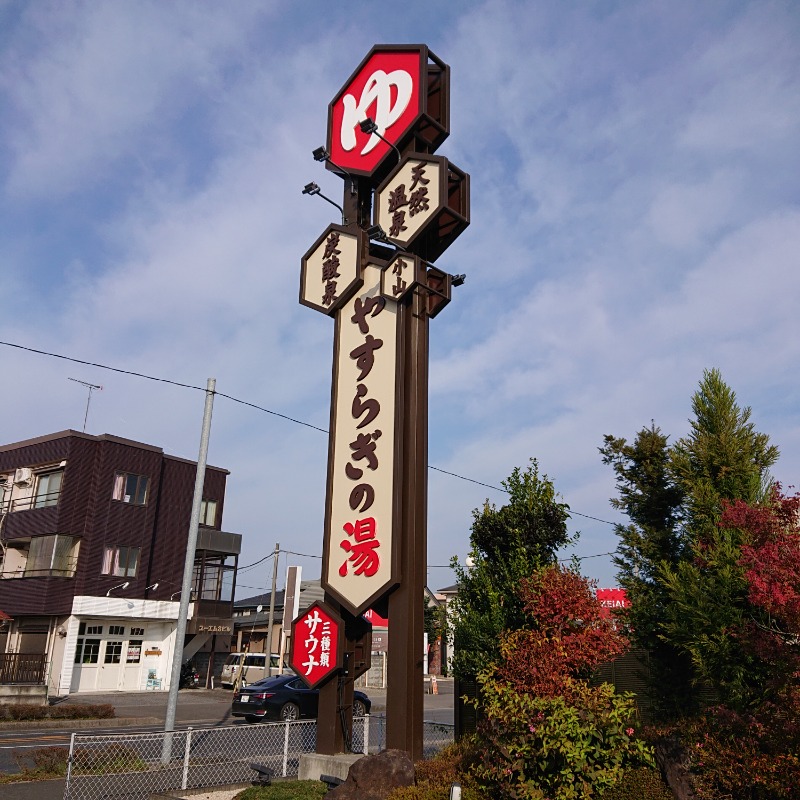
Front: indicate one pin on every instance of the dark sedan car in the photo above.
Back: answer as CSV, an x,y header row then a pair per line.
x,y
285,697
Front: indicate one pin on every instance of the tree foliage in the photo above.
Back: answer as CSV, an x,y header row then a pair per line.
x,y
723,458
681,566
545,732
653,502
508,544
567,636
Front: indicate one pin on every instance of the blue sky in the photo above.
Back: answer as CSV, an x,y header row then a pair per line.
x,y
635,220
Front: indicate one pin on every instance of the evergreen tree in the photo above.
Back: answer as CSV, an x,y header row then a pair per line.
x,y
507,544
681,566
656,536
722,460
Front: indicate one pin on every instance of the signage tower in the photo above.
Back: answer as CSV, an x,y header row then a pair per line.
x,y
374,274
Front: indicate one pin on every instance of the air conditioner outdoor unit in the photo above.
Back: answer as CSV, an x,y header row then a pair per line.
x,y
23,476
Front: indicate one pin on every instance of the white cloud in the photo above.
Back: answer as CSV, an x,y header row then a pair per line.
x,y
105,78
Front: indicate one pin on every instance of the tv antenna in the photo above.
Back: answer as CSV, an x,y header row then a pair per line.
x,y
91,387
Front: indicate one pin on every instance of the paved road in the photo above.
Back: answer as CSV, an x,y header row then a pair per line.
x,y
146,711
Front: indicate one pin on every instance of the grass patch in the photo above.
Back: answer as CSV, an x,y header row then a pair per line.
x,y
42,764
107,760
285,790
47,763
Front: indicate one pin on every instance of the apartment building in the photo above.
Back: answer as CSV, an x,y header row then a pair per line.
x,y
93,537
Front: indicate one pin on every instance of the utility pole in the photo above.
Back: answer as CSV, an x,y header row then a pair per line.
x,y
188,571
272,608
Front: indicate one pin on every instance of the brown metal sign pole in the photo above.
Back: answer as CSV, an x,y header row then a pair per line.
x,y
330,737
404,697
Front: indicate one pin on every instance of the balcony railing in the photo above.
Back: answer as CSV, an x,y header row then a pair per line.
x,y
65,571
28,668
43,500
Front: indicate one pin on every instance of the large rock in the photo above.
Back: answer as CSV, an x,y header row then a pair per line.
x,y
673,760
374,777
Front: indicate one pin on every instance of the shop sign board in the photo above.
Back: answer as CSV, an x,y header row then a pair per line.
x,y
330,271
406,273
404,89
317,644
423,205
359,547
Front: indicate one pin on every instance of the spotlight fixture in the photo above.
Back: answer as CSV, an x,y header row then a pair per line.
x,y
121,586
458,280
154,586
369,125
378,234
312,189
321,154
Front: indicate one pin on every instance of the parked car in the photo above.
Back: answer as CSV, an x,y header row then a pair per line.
x,y
285,697
252,666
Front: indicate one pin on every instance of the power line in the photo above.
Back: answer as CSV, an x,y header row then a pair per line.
x,y
259,408
160,380
102,366
304,555
256,563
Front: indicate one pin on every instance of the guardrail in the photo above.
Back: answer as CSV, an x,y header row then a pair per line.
x,y
138,765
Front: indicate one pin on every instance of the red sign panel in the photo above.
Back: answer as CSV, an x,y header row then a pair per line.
x,y
404,90
316,644
612,599
376,619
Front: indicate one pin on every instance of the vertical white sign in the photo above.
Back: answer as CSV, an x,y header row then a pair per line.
x,y
359,529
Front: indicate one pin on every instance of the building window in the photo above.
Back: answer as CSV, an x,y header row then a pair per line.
x,y
130,488
208,513
213,578
90,630
137,631
87,651
116,630
5,492
134,651
52,555
113,653
48,488
121,562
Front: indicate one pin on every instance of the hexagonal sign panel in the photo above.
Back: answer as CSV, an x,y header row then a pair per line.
x,y
317,644
404,89
405,272
402,275
330,272
423,205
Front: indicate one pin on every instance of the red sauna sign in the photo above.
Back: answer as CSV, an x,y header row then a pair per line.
x,y
316,644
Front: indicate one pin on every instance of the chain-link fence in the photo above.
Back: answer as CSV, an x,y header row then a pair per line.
x,y
435,736
134,766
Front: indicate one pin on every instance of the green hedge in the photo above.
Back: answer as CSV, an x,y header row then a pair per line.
x,y
25,712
